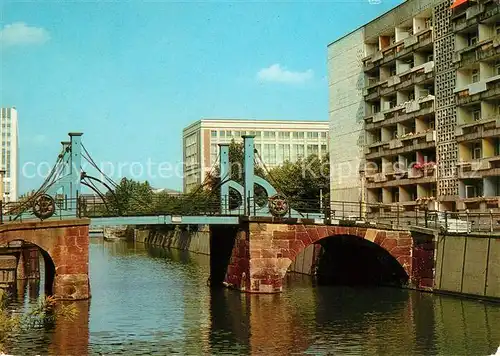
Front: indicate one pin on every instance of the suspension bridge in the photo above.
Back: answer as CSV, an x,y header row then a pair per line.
x,y
253,240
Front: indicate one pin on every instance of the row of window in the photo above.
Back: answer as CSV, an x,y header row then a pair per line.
x,y
277,154
269,134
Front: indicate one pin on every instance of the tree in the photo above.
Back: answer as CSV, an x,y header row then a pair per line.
x,y
303,182
131,198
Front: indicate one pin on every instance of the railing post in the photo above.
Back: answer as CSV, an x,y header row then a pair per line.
x,y
416,216
426,217
467,219
343,210
78,207
360,210
491,220
446,221
397,214
1,211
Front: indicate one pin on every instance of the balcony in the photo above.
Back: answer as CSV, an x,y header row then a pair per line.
x,y
475,169
401,178
478,129
410,110
471,17
479,52
483,90
398,49
474,15
406,144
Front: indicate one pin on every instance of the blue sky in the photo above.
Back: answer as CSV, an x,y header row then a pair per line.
x,y
131,75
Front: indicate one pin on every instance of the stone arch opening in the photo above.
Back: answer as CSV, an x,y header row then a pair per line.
x,y
351,260
49,267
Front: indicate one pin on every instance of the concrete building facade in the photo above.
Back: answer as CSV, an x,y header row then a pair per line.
x,y
9,159
276,141
427,91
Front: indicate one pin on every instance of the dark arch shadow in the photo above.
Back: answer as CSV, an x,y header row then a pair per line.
x,y
50,272
350,260
50,268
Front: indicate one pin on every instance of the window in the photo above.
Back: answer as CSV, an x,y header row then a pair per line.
x,y
269,154
324,150
298,151
323,135
375,108
298,135
475,75
497,146
428,23
497,68
269,134
476,150
312,150
312,135
283,135
476,115
497,28
472,39
470,191
222,133
430,58
281,154
393,71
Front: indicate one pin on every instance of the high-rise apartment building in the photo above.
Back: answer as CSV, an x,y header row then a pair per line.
x,y
415,107
276,141
9,156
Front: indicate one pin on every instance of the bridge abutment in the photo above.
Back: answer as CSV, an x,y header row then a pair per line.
x,y
64,245
263,252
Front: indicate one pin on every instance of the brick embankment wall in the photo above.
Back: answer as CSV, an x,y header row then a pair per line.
x,y
195,239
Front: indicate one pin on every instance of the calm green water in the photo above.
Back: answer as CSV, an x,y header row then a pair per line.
x,y
149,301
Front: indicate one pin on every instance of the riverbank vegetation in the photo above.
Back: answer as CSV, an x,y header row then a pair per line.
x,y
43,315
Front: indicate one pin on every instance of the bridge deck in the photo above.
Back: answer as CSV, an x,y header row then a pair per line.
x,y
165,220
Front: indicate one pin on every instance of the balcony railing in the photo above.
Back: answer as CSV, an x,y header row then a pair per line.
x,y
398,49
478,52
477,127
482,90
420,107
408,143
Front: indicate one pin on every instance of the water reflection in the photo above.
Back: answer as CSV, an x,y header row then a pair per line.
x,y
154,301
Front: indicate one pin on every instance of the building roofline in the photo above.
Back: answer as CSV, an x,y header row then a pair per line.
x,y
369,22
257,121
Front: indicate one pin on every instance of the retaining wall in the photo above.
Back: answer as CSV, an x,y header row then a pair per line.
x,y
189,238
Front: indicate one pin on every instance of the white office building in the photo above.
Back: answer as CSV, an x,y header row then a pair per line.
x,y
277,141
9,159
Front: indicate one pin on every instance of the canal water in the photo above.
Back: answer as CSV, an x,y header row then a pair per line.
x,y
151,301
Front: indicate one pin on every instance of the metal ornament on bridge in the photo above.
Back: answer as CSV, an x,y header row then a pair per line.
x,y
278,205
44,206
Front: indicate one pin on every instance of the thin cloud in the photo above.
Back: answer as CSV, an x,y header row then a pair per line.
x,y
277,73
18,34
